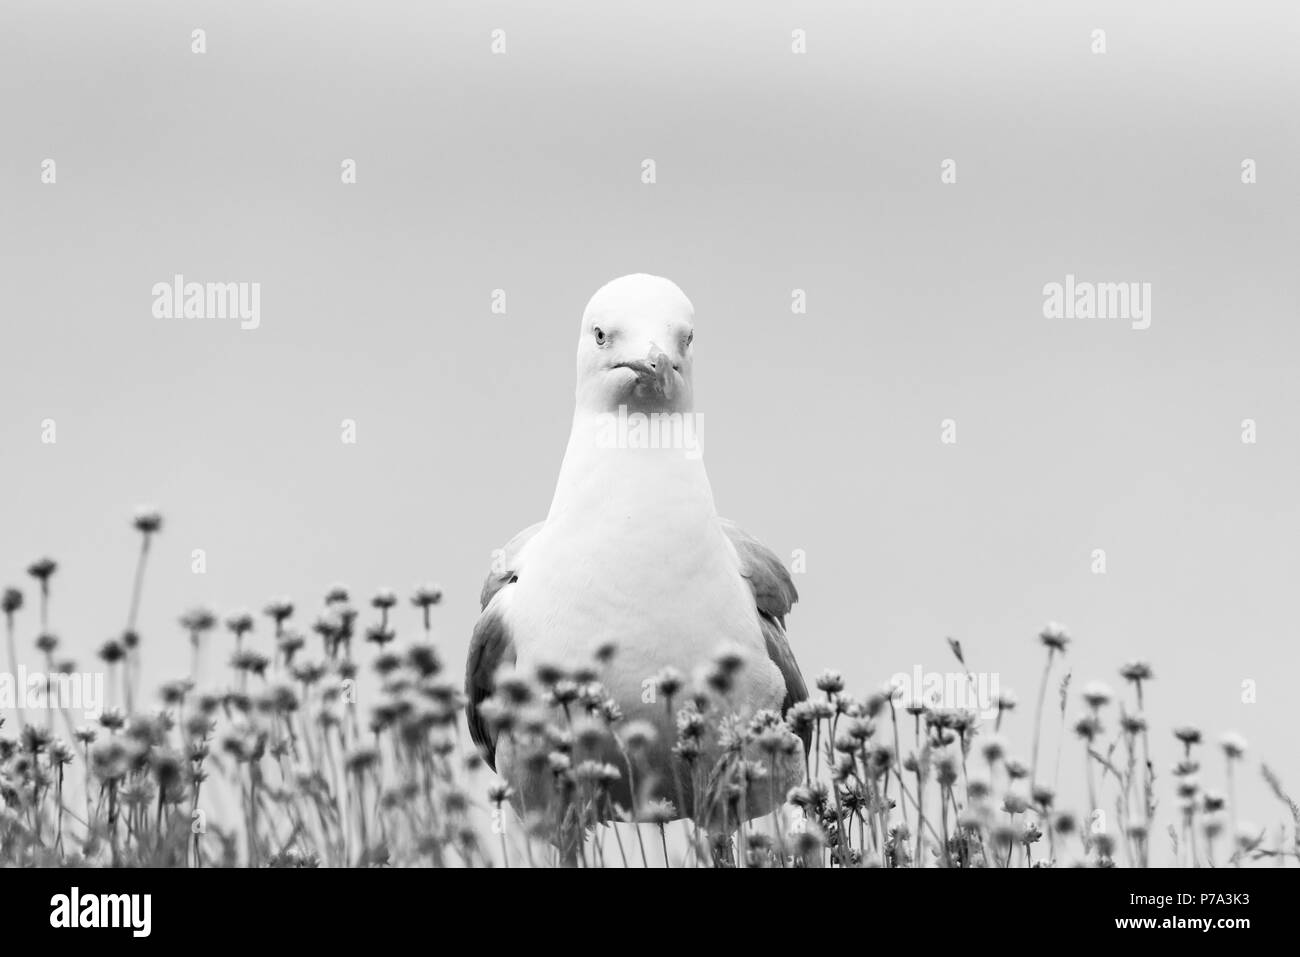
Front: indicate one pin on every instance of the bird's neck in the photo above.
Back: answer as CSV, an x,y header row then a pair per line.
x,y
618,463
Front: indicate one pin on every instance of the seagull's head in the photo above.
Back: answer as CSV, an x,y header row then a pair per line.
x,y
635,347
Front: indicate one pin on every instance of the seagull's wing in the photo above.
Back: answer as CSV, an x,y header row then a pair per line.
x,y
775,595
491,646
505,565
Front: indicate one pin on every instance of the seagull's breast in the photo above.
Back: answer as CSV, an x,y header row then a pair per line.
x,y
632,553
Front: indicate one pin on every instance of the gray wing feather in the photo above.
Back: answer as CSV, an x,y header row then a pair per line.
x,y
490,646
505,570
775,595
489,649
773,588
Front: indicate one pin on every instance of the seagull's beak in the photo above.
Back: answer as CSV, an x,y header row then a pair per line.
x,y
654,373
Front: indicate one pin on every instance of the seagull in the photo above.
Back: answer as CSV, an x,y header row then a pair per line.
x,y
633,553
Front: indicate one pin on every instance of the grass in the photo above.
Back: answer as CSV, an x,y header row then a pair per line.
x,y
275,764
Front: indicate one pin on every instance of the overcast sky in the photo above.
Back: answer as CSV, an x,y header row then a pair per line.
x,y
775,171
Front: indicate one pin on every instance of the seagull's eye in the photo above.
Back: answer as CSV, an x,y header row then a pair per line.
x,y
690,337
599,333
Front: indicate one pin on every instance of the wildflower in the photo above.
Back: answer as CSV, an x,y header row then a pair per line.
x,y
1003,834
875,702
11,601
859,729
423,658
289,644
808,844
329,625
1016,769
86,735
1136,671
60,754
668,682
1104,842
994,748
1233,745
111,651
35,739
1014,803
513,688
198,620
548,673
688,749
1088,727
1248,836
962,720
802,717
1188,735
240,623
1212,826
109,760
147,520
308,673
380,635
559,763
426,596
1132,724
606,651
730,659
1097,694
43,569
167,769
776,740
719,679
1007,701
384,599
386,663
250,661
802,796
658,812
639,735
1043,795
279,610
337,594
590,736
831,682
1030,833
174,692
283,698
46,642
199,726
500,792
1054,636
946,768
362,760
1066,823
563,692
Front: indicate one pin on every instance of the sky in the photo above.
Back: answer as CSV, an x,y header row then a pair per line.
x,y
775,171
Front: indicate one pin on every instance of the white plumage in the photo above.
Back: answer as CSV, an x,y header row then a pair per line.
x,y
633,551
